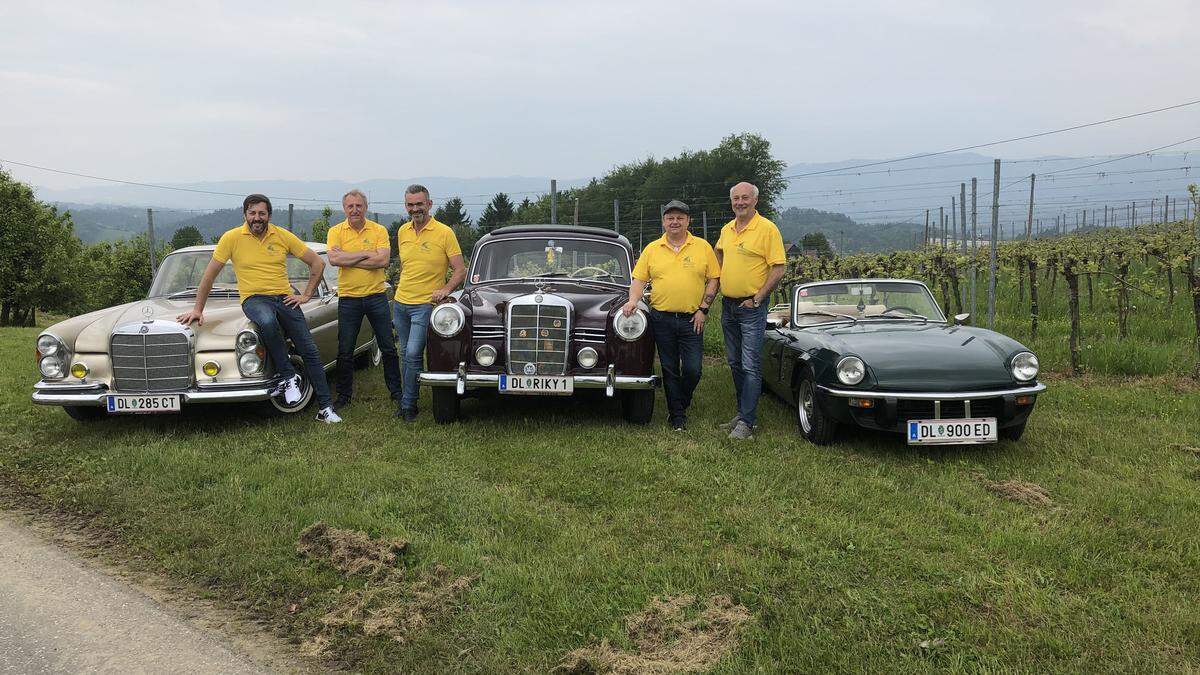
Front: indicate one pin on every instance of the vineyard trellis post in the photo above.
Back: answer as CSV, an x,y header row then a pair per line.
x,y
974,242
925,244
617,219
150,235
992,255
291,214
704,219
962,215
1029,222
953,225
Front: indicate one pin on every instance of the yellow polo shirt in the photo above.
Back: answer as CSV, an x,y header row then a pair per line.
x,y
355,282
678,278
424,259
746,257
260,265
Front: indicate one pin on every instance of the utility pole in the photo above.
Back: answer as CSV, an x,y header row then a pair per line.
x,y
704,217
617,216
150,234
553,201
1029,222
576,221
291,212
992,255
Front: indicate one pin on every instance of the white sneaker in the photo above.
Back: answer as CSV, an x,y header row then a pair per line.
x,y
327,416
289,388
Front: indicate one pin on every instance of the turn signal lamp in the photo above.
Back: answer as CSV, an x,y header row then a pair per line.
x,y
862,402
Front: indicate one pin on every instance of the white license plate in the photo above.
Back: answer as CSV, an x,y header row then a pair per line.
x,y
948,432
143,404
536,384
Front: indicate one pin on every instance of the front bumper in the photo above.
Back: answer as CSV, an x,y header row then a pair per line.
x,y
892,409
51,393
609,382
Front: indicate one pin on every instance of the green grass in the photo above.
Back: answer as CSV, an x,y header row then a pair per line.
x,y
848,557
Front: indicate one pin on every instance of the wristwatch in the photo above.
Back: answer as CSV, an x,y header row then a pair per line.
x,y
703,310
756,302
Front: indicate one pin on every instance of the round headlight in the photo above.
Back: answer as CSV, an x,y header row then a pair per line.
x,y
79,370
51,367
250,364
1024,366
48,345
587,357
851,370
447,319
247,340
485,355
630,327
211,368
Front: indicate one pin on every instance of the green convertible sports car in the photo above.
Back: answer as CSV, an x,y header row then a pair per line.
x,y
879,353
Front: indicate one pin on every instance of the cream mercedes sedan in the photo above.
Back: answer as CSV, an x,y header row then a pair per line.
x,y
135,358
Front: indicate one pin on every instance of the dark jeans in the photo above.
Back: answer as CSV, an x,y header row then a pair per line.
x,y
275,321
412,324
350,316
745,328
679,350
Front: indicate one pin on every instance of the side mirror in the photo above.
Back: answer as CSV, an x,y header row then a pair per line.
x,y
961,319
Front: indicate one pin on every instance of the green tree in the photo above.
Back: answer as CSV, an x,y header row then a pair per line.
x,y
320,226
37,249
117,272
497,213
816,241
452,213
186,236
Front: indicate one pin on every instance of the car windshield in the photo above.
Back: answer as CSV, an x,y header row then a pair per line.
x,y
180,274
551,257
867,300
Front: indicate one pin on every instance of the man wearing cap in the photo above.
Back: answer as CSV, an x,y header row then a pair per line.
x,y
259,252
359,248
750,252
683,272
427,249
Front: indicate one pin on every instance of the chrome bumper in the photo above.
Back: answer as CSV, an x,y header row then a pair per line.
x,y
932,395
610,382
47,393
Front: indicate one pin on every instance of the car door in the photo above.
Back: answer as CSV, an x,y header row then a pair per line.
x,y
321,313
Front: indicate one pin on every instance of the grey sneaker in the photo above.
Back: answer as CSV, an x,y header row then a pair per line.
x,y
731,423
741,432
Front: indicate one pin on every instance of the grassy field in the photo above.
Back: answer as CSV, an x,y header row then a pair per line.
x,y
866,555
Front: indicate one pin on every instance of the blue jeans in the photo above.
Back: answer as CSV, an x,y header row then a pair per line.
x,y
275,321
745,329
412,324
350,315
679,350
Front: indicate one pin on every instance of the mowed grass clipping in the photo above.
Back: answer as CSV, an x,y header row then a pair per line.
x,y
867,555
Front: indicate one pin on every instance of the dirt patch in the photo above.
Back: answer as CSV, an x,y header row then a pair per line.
x,y
1020,491
1195,451
666,640
350,551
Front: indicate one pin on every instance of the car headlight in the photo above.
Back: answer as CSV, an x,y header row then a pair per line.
x,y
485,355
48,345
52,367
1024,366
250,364
587,357
447,319
851,370
247,340
630,327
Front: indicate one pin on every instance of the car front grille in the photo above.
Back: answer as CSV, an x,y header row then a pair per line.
x,y
923,410
594,335
151,361
487,332
537,336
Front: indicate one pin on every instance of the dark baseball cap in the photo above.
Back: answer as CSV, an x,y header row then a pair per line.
x,y
675,205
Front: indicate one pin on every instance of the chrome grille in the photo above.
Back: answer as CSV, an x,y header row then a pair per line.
x,y
924,410
595,335
537,335
157,360
487,332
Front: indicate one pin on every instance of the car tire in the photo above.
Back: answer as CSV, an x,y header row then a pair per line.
x,y
637,406
445,405
1013,433
275,407
370,358
814,423
84,413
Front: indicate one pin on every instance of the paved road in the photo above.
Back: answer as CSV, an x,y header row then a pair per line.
x,y
59,616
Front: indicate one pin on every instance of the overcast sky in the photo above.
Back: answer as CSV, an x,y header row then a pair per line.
x,y
185,91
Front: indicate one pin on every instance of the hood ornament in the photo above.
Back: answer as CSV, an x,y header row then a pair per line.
x,y
147,311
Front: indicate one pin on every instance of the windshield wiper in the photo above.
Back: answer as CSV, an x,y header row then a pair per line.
x,y
190,291
821,312
904,315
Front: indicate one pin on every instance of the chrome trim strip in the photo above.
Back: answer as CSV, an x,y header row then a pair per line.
x,y
491,381
100,399
932,395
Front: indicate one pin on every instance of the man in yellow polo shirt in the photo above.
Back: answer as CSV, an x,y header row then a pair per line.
x,y
683,271
359,248
259,252
426,249
750,251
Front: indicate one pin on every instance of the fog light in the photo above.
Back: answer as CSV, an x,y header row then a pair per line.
x,y
79,370
587,357
211,368
485,355
1024,400
862,402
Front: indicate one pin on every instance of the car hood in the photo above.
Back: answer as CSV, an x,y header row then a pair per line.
x,y
592,301
90,333
909,356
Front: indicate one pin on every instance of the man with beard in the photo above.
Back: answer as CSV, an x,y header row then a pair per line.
x,y
683,272
752,260
426,249
259,252
359,248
